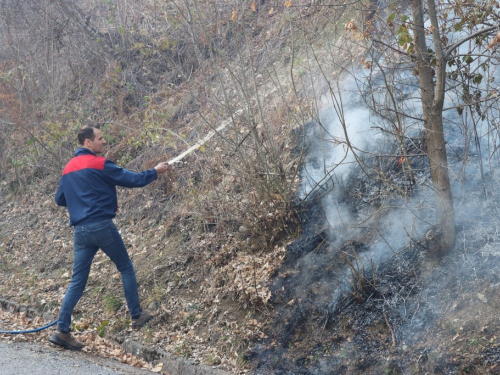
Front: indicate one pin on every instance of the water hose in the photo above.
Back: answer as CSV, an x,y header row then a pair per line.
x,y
29,330
202,141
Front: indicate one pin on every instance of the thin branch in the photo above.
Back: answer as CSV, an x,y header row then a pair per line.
x,y
391,47
455,45
392,332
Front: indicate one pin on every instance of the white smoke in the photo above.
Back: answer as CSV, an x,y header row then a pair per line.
x,y
328,154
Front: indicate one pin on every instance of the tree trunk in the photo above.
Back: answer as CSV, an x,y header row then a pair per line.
x,y
432,88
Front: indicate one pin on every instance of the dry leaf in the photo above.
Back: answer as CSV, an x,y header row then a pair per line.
x,y
288,3
494,41
157,369
271,11
351,26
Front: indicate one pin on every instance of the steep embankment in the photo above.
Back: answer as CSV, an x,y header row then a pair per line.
x,y
228,289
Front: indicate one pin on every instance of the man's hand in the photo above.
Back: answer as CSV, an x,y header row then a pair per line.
x,y
163,167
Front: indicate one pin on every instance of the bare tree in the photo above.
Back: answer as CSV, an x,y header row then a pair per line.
x,y
433,94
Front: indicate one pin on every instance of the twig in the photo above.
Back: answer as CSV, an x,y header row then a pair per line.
x,y
255,280
392,332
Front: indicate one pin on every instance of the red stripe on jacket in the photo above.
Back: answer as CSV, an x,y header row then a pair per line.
x,y
84,162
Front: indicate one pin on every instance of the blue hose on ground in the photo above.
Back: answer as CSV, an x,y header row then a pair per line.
x,y
29,330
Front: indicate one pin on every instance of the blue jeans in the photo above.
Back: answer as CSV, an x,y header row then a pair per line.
x,y
88,239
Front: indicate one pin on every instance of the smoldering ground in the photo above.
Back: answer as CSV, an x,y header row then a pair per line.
x,y
361,291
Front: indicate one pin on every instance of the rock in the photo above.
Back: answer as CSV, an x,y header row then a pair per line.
x,y
153,306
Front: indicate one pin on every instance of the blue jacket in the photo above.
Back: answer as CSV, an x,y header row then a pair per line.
x,y
88,186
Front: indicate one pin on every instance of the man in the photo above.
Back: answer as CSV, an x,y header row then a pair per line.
x,y
88,189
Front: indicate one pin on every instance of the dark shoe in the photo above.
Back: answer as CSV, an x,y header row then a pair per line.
x,y
66,340
141,320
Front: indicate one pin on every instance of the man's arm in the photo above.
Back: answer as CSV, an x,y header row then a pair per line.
x,y
123,177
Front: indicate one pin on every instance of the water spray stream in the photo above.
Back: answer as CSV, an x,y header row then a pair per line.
x,y
202,141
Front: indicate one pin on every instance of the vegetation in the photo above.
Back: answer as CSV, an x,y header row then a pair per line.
x,y
248,83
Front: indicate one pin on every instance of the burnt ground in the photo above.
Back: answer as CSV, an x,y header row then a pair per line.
x,y
406,313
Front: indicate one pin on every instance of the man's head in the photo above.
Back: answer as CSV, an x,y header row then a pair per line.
x,y
91,137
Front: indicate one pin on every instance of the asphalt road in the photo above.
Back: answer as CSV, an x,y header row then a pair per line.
x,y
26,358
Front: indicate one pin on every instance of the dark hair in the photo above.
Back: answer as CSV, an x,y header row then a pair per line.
x,y
86,132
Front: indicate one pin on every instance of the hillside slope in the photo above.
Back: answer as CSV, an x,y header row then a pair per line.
x,y
239,276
